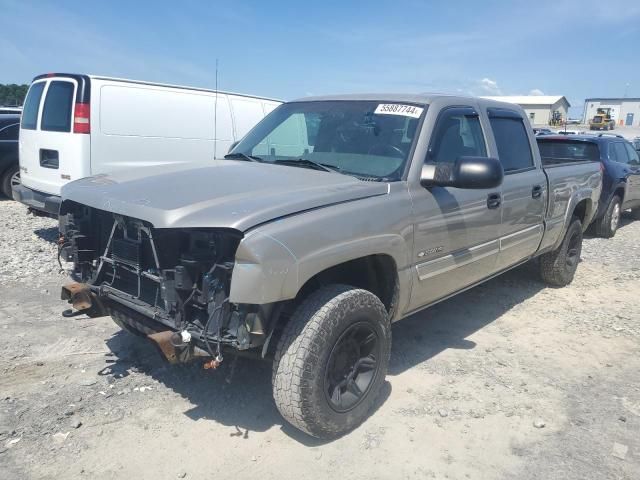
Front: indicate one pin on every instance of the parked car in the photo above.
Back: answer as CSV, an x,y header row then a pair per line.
x,y
332,218
9,170
621,173
567,131
74,126
543,131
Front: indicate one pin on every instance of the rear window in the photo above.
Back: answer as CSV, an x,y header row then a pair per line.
x,y
31,106
513,145
597,119
566,151
56,113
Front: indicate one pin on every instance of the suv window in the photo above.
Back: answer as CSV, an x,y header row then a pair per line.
x,y
56,113
31,106
556,151
10,132
512,141
618,153
458,133
633,155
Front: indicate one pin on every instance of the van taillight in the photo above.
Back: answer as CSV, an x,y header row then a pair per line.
x,y
81,123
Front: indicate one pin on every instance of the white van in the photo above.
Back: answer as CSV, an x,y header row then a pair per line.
x,y
74,126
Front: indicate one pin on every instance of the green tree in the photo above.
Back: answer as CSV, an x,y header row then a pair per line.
x,y
12,94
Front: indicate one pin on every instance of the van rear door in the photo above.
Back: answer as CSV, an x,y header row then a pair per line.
x,y
54,133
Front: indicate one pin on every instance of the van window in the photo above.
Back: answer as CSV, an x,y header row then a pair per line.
x,y
31,106
457,134
512,141
10,132
56,113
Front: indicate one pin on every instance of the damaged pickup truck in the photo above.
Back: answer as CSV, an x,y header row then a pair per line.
x,y
331,219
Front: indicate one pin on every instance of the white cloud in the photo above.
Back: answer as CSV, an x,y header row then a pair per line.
x,y
536,91
490,87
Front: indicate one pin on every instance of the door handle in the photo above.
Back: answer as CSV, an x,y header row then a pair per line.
x,y
493,200
536,192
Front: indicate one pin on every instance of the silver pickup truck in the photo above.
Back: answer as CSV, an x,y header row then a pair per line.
x,y
333,218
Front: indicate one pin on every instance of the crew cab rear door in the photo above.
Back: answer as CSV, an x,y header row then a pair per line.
x,y
455,230
524,188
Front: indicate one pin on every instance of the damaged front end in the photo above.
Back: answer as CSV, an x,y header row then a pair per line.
x,y
171,285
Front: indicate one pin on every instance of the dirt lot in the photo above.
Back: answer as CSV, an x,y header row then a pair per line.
x,y
508,380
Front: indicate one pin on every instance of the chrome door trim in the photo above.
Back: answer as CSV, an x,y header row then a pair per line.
x,y
520,237
457,259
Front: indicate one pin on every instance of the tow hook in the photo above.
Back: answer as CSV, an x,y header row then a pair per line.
x,y
213,364
176,347
83,300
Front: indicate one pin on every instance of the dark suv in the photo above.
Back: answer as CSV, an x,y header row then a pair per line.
x,y
620,169
9,169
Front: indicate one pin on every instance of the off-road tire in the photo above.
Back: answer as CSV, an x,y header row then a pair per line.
x,y
304,350
5,180
554,267
604,227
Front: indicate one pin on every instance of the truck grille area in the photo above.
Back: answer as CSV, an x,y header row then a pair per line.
x,y
178,276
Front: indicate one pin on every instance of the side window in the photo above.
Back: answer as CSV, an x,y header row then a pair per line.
x,y
31,106
10,132
618,153
633,155
458,133
56,112
512,141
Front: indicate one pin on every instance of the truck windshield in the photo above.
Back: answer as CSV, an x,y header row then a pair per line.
x,y
370,140
597,119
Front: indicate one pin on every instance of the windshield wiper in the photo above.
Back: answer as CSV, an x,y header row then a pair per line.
x,y
305,162
242,156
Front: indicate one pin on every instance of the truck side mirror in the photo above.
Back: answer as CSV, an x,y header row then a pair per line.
x,y
465,172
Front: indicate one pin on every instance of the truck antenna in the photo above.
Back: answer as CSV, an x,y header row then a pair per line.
x,y
215,117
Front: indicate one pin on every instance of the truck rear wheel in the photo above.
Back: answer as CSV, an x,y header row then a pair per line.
x,y
607,225
331,360
558,268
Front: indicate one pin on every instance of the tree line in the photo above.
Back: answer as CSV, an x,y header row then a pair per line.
x,y
12,94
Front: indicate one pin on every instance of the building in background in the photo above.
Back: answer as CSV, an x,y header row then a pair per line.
x,y
539,108
625,111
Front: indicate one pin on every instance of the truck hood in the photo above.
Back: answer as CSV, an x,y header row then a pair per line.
x,y
226,194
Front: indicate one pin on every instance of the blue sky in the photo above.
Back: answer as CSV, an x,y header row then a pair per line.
x,y
289,49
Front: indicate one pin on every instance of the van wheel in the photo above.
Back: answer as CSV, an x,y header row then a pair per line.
x,y
331,360
607,226
10,178
558,268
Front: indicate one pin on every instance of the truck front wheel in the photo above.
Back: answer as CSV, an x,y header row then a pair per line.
x,y
558,267
331,360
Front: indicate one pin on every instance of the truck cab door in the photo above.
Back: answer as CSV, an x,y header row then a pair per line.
x,y
455,230
524,188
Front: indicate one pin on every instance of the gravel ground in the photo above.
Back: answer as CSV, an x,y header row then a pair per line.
x,y
508,380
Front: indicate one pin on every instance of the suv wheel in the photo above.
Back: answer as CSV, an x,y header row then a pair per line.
x,y
606,226
331,360
10,178
558,268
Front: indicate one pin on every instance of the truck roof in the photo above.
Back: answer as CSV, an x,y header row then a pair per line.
x,y
418,98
